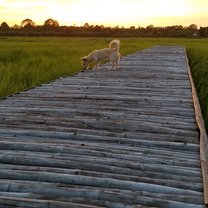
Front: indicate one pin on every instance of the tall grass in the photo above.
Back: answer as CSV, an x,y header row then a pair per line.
x,y
26,62
198,61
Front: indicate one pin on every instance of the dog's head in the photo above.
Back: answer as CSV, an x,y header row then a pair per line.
x,y
85,62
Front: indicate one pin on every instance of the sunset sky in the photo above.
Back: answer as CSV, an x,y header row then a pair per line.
x,y
106,12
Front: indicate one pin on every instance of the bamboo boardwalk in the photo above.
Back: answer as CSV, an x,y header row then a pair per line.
x,y
104,138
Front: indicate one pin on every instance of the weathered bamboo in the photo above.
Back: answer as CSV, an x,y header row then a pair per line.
x,y
11,201
104,195
97,182
103,138
121,148
93,134
22,202
104,166
115,150
134,175
141,177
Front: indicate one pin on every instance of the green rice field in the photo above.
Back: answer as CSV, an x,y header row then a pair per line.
x,y
26,62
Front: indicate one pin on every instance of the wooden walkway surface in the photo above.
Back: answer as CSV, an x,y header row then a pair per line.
x,y
117,139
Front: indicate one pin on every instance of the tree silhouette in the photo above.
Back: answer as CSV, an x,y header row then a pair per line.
x,y
132,28
203,31
16,26
51,28
86,25
4,26
193,27
27,23
51,22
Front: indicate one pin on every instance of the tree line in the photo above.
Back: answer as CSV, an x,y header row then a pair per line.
x,y
51,27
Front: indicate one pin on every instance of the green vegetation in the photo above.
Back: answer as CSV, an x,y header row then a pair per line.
x,y
51,28
26,62
198,61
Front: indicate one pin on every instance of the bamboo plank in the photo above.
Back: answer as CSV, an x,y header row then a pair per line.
x,y
22,202
111,196
142,177
104,166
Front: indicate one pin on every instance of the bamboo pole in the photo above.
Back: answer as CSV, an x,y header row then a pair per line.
x,y
96,182
38,203
94,196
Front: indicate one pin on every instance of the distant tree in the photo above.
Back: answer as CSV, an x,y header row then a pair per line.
x,y
97,28
51,22
86,25
132,28
27,23
4,26
192,30
203,31
51,28
193,27
150,27
16,26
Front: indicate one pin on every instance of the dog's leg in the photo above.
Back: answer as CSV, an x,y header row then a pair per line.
x,y
113,65
117,63
98,65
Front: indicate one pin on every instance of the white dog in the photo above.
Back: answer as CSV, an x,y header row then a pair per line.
x,y
112,53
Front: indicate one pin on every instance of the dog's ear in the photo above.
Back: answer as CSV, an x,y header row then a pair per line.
x,y
84,58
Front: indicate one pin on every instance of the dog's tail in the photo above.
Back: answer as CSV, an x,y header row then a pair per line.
x,y
115,44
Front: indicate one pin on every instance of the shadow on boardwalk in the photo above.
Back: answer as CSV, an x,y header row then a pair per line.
x,y
103,138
